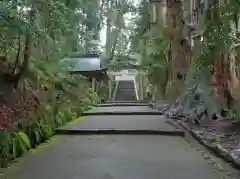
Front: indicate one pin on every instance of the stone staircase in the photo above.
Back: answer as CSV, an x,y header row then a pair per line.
x,y
125,91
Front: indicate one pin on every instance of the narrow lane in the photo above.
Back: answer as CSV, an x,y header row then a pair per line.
x,y
115,156
122,109
143,122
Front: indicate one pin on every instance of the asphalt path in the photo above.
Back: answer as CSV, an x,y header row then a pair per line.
x,y
115,156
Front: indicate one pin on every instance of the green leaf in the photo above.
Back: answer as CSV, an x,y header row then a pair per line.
x,y
24,140
37,136
48,132
22,146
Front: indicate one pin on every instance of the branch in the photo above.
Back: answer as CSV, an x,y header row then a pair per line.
x,y
18,55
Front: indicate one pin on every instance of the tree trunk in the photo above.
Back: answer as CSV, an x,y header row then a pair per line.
x,y
17,56
158,20
111,38
15,79
178,59
221,65
220,81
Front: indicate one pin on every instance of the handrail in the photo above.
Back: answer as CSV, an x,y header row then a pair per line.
x,y
135,88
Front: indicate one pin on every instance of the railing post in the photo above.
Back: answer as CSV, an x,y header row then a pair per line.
x,y
154,92
110,88
141,86
97,87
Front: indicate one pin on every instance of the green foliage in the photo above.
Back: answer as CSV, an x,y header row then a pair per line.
x,y
93,97
47,132
141,25
54,29
103,91
236,112
58,28
155,58
35,133
115,15
60,118
218,38
65,115
151,43
20,144
5,149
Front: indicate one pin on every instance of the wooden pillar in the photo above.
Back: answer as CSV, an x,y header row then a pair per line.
x,y
93,84
97,87
141,87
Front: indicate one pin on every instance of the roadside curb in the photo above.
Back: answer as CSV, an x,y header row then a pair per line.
x,y
217,149
120,113
80,131
121,104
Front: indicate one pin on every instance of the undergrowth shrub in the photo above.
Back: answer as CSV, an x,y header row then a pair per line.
x,y
20,144
236,112
5,148
16,144
29,64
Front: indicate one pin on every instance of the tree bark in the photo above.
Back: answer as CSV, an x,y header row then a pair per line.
x,y
112,33
15,78
179,63
221,65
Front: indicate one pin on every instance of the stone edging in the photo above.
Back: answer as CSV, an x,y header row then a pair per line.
x,y
121,104
136,102
217,149
119,132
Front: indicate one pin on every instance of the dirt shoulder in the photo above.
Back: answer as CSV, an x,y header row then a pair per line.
x,y
222,136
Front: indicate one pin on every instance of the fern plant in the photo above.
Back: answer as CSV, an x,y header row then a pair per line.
x,y
35,133
20,144
48,132
60,119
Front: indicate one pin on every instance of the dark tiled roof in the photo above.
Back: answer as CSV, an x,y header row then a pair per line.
x,y
77,62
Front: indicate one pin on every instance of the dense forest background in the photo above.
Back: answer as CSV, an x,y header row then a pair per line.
x,y
188,49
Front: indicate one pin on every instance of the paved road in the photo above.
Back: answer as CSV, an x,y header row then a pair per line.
x,y
115,156
144,122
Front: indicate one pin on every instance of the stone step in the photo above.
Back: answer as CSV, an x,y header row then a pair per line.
x,y
126,91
